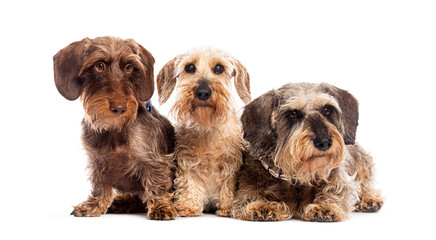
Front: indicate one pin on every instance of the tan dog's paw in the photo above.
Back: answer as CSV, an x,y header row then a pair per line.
x,y
224,212
266,211
188,211
369,203
323,213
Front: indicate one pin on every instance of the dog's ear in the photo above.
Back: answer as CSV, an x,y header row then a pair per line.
x,y
146,90
242,81
166,80
66,65
350,111
257,123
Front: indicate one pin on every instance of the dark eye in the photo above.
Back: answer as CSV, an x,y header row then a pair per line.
x,y
190,68
100,67
327,110
294,114
218,69
128,68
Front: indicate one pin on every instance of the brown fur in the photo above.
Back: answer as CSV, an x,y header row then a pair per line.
x,y
208,133
285,174
130,152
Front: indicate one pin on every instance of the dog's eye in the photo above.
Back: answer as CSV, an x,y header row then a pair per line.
x,y
218,69
128,68
327,110
190,68
294,114
100,67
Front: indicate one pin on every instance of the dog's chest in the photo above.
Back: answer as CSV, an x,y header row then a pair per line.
x,y
211,155
119,171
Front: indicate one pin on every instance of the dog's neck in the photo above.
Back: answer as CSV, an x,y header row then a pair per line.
x,y
274,170
212,134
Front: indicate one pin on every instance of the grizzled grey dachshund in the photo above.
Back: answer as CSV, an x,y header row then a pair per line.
x,y
302,160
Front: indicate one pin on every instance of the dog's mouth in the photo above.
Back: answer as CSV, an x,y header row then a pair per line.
x,y
319,157
203,104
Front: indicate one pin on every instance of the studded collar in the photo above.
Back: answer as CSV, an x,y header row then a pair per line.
x,y
274,170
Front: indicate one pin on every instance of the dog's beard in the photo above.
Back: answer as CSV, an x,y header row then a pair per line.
x,y
212,112
99,116
303,162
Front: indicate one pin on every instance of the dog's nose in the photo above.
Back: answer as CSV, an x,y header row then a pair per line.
x,y
203,91
118,108
323,144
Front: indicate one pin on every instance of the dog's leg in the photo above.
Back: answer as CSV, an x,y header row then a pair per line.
x,y
370,199
97,203
156,177
190,196
226,195
333,200
252,204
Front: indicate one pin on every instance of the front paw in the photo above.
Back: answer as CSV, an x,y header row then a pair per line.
x,y
162,212
262,211
88,209
323,213
369,203
224,212
185,211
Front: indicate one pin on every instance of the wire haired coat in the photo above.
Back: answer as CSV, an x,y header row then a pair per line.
x,y
129,145
208,131
302,160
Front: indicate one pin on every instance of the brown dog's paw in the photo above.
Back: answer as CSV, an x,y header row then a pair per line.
x,y
88,209
262,211
369,203
165,211
323,213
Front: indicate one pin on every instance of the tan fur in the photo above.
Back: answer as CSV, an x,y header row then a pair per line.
x,y
208,132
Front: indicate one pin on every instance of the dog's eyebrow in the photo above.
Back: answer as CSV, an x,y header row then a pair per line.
x,y
95,56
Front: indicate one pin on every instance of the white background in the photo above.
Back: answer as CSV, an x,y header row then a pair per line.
x,y
383,52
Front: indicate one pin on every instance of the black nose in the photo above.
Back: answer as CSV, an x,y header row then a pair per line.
x,y
323,144
203,91
118,108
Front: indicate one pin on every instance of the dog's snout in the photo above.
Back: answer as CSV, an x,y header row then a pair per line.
x,y
323,143
203,91
118,107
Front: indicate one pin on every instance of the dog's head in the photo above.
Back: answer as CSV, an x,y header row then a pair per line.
x,y
302,127
111,75
203,79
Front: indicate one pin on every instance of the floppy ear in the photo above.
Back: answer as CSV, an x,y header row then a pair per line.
x,y
257,124
350,111
242,81
166,80
146,89
66,65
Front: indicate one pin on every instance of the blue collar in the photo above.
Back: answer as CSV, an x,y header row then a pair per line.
x,y
148,106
